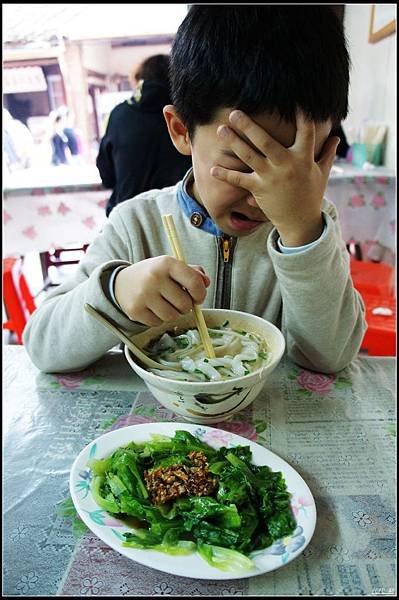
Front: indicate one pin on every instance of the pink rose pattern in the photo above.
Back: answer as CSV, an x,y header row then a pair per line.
x,y
378,200
44,210
357,201
222,435
63,209
71,381
30,232
239,427
89,222
315,382
382,179
6,217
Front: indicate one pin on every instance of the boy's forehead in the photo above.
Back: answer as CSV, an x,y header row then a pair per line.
x,y
282,131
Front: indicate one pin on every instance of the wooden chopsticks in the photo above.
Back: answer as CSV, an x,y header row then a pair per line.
x,y
178,253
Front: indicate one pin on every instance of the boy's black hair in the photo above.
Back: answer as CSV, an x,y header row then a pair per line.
x,y
260,58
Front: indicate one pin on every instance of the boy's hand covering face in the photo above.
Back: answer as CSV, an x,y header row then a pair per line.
x,y
286,183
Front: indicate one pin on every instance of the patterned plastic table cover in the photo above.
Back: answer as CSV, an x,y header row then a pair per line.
x,y
366,203
338,431
52,218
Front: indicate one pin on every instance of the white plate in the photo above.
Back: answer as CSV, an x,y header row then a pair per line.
x,y
110,530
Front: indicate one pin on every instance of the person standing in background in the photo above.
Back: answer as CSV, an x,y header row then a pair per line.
x,y
18,143
59,143
72,135
136,153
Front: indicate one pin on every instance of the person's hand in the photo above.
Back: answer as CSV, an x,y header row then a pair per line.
x,y
286,183
151,291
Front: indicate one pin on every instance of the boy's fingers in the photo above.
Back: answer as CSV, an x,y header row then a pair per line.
x,y
173,292
259,137
328,154
235,178
249,155
163,309
305,137
198,268
147,317
189,278
204,276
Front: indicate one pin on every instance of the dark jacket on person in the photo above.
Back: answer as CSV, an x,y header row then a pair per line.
x,y
136,154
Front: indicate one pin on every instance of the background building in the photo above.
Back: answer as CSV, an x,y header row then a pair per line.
x,y
79,56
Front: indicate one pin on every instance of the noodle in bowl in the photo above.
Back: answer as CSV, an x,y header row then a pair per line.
x,y
216,388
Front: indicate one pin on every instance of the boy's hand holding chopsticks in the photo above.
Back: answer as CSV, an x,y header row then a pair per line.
x,y
177,249
151,291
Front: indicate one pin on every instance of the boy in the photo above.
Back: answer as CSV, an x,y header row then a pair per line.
x,y
256,92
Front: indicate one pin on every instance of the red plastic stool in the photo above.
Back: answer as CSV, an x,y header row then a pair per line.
x,y
372,278
380,337
17,298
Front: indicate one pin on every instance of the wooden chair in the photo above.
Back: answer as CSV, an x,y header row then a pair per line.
x,y
57,257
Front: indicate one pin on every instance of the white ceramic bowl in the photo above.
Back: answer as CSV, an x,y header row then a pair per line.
x,y
211,401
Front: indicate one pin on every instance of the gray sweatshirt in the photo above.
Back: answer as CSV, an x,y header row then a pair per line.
x,y
308,295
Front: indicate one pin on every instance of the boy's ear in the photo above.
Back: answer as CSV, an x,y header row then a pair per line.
x,y
177,130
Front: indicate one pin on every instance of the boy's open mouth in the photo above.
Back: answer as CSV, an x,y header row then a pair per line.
x,y
242,222
238,215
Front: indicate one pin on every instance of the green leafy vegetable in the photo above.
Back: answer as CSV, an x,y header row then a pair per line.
x,y
182,342
224,559
248,510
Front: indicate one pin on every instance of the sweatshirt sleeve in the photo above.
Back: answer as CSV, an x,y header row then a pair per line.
x,y
60,335
323,315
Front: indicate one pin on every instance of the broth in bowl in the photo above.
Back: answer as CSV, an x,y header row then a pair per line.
x,y
238,353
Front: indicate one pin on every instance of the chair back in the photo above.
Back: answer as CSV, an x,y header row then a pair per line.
x,y
18,301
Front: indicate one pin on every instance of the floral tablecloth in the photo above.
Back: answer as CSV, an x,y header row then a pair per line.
x,y
55,217
338,431
366,203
